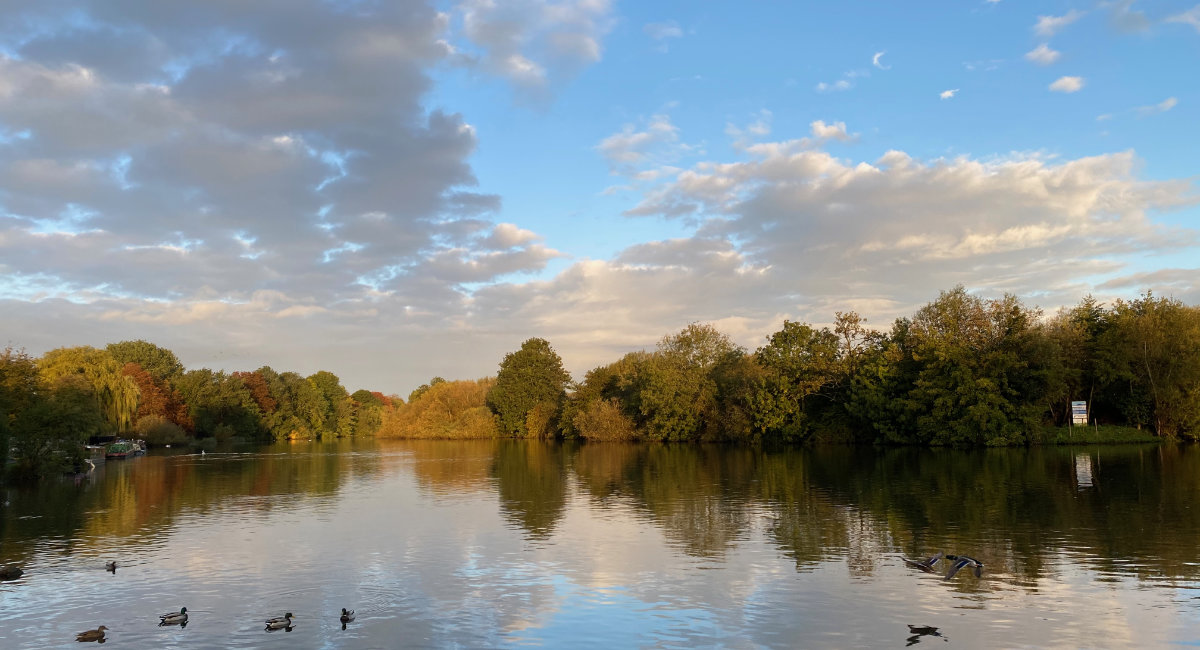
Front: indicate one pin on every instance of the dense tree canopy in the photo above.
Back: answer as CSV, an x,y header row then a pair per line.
x,y
161,363
529,390
115,393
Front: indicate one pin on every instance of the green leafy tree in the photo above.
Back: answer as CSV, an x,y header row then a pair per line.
x,y
612,385
530,378
20,387
115,393
161,363
802,364
219,404
1153,350
339,410
49,435
368,412
676,392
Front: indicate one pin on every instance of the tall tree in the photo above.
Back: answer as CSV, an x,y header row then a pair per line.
x,y
20,388
339,411
530,386
1153,349
801,362
115,393
161,363
219,403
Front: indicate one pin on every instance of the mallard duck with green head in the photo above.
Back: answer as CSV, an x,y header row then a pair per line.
x,y
280,622
92,635
174,618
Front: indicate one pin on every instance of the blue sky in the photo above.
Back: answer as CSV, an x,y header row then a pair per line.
x,y
396,190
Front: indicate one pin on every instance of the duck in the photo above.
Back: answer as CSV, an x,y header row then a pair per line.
x,y
922,630
174,618
91,635
11,572
280,622
347,615
961,561
111,566
925,565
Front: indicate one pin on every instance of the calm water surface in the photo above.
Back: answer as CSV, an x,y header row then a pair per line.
x,y
487,544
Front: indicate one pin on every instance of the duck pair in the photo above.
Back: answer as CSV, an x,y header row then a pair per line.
x,y
960,562
285,622
170,618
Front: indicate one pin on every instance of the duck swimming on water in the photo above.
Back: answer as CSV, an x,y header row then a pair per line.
x,y
280,622
174,618
925,565
961,561
91,635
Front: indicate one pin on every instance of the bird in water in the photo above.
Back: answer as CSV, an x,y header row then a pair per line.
x,y
961,561
11,572
918,631
179,618
280,622
347,616
111,566
925,565
92,635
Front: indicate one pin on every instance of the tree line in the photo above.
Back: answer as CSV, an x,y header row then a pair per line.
x,y
50,406
963,370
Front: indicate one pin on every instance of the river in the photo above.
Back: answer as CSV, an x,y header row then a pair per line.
x,y
511,543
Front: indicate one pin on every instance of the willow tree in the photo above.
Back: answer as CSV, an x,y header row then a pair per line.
x,y
116,394
530,389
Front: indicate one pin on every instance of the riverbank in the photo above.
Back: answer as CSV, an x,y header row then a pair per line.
x,y
1105,434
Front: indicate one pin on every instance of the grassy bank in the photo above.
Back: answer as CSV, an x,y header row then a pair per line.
x,y
1104,434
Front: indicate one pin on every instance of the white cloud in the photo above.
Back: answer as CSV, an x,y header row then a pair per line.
x,y
1042,55
1161,107
875,61
744,135
839,85
1189,17
901,220
529,42
1050,25
984,65
834,131
948,94
1067,84
657,141
663,31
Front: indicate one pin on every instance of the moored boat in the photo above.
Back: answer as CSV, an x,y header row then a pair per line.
x,y
125,449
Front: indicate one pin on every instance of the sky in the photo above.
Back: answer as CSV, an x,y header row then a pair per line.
x,y
393,191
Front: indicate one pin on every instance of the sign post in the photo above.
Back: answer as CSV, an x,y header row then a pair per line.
x,y
1079,413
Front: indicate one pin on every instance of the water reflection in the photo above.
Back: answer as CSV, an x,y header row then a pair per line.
x,y
489,543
